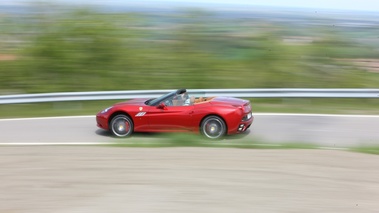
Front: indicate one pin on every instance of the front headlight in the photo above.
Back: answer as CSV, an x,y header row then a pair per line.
x,y
247,108
247,117
106,110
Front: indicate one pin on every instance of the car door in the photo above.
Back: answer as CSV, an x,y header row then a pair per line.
x,y
170,118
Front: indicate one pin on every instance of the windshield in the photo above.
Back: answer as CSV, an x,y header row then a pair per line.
x,y
156,101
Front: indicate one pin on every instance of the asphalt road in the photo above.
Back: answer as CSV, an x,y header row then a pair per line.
x,y
324,130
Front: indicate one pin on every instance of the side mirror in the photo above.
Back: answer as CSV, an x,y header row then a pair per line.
x,y
161,106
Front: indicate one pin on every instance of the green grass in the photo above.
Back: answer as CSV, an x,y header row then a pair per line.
x,y
53,109
317,105
367,149
193,140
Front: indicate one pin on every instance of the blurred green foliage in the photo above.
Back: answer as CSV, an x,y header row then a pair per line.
x,y
81,49
366,149
280,105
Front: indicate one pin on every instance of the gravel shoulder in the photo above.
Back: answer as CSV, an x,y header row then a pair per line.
x,y
65,179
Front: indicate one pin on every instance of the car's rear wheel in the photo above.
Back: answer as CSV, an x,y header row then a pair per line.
x,y
121,126
213,127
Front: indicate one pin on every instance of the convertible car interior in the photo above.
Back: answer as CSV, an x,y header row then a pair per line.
x,y
202,100
194,100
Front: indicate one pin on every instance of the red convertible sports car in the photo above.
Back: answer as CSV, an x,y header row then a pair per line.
x,y
178,111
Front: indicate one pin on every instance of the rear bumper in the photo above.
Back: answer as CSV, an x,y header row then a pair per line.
x,y
242,126
245,125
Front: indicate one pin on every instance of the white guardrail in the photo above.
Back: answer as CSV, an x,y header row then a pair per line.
x,y
239,93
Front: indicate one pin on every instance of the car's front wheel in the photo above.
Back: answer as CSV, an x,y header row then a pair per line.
x,y
121,126
213,127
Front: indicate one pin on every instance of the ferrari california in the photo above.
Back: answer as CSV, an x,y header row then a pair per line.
x,y
178,111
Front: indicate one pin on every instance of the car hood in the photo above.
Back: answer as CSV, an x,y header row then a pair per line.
x,y
230,100
137,101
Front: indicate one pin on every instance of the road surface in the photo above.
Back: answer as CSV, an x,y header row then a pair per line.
x,y
324,130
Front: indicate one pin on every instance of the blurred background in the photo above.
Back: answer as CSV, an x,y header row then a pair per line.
x,y
93,45
58,46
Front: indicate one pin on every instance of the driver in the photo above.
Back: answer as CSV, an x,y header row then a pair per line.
x,y
186,99
183,99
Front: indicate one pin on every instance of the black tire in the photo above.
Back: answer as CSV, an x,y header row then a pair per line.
x,y
213,127
121,126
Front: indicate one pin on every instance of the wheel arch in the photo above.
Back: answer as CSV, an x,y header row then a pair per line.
x,y
114,114
213,114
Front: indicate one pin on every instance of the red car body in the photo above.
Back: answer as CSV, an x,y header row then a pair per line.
x,y
158,115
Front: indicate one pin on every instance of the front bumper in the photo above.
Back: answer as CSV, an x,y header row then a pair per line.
x,y
102,121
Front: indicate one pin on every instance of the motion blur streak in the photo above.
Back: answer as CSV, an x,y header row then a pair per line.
x,y
62,47
47,47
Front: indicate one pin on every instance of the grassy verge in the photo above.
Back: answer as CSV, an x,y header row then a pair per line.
x,y
191,140
367,150
53,109
293,105
317,105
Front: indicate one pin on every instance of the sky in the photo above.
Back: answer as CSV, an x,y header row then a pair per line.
x,y
359,5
